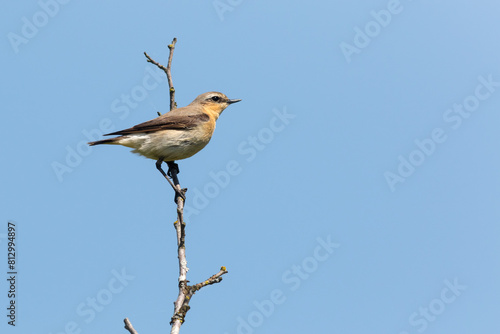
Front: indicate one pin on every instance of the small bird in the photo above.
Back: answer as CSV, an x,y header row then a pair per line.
x,y
175,135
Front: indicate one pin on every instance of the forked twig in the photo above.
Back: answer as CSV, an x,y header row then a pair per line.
x,y
167,71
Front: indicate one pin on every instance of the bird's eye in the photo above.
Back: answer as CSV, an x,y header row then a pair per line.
x,y
215,98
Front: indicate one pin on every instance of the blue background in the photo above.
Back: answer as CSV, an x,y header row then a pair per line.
x,y
315,237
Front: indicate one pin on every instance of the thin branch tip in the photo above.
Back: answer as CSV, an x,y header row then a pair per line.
x,y
172,45
129,327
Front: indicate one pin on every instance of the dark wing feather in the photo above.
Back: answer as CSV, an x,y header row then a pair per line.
x,y
166,122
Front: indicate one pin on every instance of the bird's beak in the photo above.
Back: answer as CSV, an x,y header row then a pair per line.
x,y
233,101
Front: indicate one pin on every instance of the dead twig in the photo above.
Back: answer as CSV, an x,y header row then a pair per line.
x,y
129,327
167,71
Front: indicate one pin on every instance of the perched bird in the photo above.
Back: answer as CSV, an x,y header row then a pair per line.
x,y
175,135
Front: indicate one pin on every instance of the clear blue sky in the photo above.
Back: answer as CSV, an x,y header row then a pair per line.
x,y
355,189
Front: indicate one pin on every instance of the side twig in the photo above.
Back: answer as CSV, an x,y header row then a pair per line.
x,y
167,71
191,290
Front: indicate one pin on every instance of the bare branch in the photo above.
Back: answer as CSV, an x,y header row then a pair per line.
x,y
129,327
167,71
181,305
188,292
180,227
171,89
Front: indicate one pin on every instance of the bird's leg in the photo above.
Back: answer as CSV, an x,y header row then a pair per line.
x,y
173,173
158,166
173,170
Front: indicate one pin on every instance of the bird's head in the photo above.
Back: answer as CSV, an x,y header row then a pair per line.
x,y
214,102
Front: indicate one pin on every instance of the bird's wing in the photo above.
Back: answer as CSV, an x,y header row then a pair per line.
x,y
168,121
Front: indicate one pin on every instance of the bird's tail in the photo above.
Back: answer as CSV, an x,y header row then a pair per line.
x,y
104,141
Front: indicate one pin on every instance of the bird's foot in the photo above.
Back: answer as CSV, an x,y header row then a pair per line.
x,y
173,169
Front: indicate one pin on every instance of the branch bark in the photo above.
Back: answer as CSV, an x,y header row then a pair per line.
x,y
129,327
186,292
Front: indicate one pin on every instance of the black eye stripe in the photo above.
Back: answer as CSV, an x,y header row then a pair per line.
x,y
215,98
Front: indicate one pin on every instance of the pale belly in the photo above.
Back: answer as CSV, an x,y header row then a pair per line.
x,y
168,145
